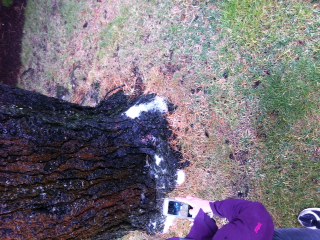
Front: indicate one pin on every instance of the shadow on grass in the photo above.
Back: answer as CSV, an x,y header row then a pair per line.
x,y
11,32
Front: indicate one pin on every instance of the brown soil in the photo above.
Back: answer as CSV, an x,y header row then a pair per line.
x,y
11,32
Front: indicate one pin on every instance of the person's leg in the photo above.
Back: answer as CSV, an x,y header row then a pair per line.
x,y
296,234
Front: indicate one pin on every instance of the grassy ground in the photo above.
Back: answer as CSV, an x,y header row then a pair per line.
x,y
281,42
244,75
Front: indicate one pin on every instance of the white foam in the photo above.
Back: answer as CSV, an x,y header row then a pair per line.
x,y
158,159
143,196
168,223
154,224
158,104
181,177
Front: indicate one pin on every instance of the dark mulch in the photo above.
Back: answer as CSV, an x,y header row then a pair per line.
x,y
11,31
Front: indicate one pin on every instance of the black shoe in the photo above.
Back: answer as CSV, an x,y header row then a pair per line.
x,y
310,218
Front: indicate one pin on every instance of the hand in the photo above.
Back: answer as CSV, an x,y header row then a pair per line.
x,y
196,203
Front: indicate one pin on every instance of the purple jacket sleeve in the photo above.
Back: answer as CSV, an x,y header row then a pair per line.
x,y
203,227
247,220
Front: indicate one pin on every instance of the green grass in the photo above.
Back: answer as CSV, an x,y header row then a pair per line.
x,y
256,23
291,91
111,34
279,45
291,175
289,106
244,18
291,169
71,12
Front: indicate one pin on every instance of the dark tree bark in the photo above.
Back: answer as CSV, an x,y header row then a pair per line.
x,y
72,172
11,32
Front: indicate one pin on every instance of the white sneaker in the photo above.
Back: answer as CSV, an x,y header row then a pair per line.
x,y
310,218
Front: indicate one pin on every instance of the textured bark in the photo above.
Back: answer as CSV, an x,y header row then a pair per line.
x,y
72,172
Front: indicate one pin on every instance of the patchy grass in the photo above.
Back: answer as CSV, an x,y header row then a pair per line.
x,y
254,23
244,75
244,18
289,118
47,36
110,35
290,93
291,179
278,43
71,13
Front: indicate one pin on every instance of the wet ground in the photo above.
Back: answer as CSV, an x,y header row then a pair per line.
x,y
11,32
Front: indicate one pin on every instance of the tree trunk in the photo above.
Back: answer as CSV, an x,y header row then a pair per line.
x,y
73,172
